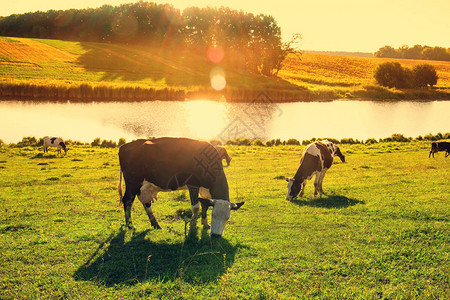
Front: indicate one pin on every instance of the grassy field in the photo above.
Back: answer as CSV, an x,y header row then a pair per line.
x,y
40,67
380,232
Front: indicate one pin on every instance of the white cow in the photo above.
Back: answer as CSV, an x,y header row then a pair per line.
x,y
54,142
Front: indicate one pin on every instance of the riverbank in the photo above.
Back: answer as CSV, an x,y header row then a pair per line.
x,y
40,69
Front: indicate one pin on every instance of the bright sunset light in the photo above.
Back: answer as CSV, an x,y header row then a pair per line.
x,y
326,25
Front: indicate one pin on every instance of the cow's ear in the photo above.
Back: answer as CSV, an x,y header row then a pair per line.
x,y
288,179
206,202
236,206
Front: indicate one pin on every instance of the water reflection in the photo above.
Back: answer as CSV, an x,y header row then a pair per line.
x,y
208,120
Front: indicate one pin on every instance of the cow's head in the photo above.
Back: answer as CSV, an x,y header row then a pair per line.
x,y
294,187
339,153
220,214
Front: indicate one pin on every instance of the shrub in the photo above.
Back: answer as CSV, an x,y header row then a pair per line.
x,y
108,144
270,143
371,141
258,142
95,142
430,137
27,141
392,74
122,141
278,142
292,142
1,142
350,141
424,75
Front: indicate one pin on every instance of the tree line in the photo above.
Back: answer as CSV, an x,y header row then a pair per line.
x,y
415,52
251,42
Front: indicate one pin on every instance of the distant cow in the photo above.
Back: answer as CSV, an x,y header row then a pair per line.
x,y
169,164
316,160
223,154
54,142
439,146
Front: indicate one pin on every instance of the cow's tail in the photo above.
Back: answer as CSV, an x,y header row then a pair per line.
x,y
119,188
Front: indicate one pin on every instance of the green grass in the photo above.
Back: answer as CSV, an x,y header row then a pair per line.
x,y
381,231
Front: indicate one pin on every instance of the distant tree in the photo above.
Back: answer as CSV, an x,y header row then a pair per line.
x,y
392,74
416,52
424,75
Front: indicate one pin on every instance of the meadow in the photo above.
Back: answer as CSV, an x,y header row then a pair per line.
x,y
380,232
54,69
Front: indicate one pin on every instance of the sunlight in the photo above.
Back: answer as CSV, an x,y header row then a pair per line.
x,y
205,119
218,81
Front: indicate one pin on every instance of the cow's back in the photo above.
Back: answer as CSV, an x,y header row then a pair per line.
x,y
170,163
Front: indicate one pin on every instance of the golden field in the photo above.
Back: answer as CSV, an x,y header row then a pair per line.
x,y
42,68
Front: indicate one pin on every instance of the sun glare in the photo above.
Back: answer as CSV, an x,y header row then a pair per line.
x,y
218,81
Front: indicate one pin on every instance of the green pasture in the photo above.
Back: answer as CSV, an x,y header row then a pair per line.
x,y
380,232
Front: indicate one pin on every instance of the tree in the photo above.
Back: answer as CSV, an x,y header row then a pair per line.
x,y
392,74
424,75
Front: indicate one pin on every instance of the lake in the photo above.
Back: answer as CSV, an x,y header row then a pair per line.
x,y
221,120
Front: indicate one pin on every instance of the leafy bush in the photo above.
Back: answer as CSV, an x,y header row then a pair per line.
x,y
122,141
396,137
350,141
292,142
27,141
1,142
95,142
371,141
392,74
258,142
424,75
108,144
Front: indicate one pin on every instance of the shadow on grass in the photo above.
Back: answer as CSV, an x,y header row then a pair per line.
x,y
139,259
328,201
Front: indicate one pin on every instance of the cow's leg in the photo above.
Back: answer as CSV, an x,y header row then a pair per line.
x,y
146,197
316,184
302,192
206,195
127,201
322,175
193,195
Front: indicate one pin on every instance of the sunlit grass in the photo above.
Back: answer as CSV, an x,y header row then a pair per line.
x,y
381,231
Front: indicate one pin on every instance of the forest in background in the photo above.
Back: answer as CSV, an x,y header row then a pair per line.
x,y
252,42
416,52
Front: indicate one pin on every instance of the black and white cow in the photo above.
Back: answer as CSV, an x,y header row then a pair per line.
x,y
439,146
316,160
168,164
54,142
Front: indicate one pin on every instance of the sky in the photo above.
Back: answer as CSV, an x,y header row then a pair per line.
x,y
325,25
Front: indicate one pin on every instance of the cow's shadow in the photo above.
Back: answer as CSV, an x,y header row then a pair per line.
x,y
327,201
117,261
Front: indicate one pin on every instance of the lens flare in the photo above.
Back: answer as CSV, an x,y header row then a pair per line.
x,y
218,81
215,54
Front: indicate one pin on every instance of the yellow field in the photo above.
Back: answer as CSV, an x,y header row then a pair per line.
x,y
317,71
49,64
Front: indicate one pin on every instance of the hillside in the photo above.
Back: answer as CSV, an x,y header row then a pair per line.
x,y
42,68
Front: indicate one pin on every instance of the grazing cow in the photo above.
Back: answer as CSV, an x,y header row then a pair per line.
x,y
54,142
439,146
223,154
168,164
316,160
